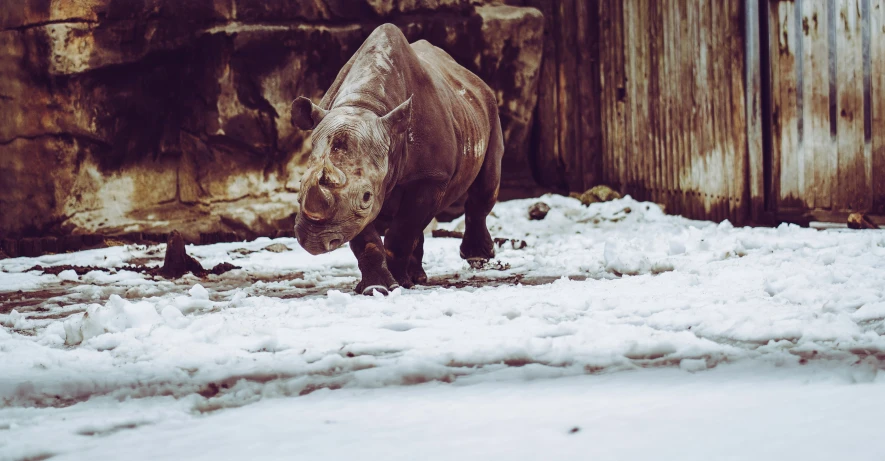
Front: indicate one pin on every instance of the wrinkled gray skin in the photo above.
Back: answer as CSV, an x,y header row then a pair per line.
x,y
402,133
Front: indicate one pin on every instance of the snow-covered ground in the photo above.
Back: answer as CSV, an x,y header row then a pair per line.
x,y
617,333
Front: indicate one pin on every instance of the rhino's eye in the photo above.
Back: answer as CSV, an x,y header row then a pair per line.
x,y
367,197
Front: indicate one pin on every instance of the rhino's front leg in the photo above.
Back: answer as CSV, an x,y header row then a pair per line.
x,y
406,233
372,261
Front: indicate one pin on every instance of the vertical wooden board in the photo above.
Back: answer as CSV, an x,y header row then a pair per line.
x,y
644,109
868,104
547,148
641,130
620,132
738,122
670,43
816,105
717,183
877,93
605,78
607,118
655,100
703,123
589,146
772,187
851,183
611,63
695,132
631,71
788,109
566,90
674,107
671,72
756,187
684,81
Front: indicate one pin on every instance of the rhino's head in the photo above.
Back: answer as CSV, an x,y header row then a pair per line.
x,y
342,190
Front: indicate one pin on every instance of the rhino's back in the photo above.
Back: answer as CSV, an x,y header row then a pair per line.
x,y
471,102
455,81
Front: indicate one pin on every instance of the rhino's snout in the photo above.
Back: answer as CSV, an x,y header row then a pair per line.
x,y
332,244
318,244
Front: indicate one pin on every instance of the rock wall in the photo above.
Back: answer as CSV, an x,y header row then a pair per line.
x,y
126,116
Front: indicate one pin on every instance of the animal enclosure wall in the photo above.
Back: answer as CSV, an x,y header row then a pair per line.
x,y
674,118
752,110
828,106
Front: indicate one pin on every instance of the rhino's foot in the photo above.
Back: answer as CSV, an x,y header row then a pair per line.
x,y
406,282
383,283
417,275
370,290
477,246
477,263
482,255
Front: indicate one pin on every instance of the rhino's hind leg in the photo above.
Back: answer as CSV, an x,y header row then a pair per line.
x,y
416,265
370,256
477,246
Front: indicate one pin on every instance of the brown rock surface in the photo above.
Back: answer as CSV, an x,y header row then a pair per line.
x,y
860,221
538,211
177,262
147,116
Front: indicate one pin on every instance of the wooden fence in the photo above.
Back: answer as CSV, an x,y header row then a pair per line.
x,y
674,116
828,104
751,110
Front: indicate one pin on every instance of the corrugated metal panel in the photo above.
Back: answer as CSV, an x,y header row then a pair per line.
x,y
827,79
877,99
683,104
690,116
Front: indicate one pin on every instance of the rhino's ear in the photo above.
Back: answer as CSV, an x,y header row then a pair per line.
x,y
305,114
398,119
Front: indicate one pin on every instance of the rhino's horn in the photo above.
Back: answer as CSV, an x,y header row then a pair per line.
x,y
318,202
331,175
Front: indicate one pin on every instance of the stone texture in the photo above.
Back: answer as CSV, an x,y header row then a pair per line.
x,y
154,115
177,262
596,194
538,211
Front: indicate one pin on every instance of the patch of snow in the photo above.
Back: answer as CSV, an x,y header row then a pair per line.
x,y
120,354
68,276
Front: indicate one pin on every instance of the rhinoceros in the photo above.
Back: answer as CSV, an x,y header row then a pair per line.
x,y
402,133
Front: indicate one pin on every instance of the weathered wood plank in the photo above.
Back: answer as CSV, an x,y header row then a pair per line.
x,y
547,152
788,107
738,116
607,102
701,161
753,72
774,165
566,92
641,134
695,132
655,101
631,64
720,184
685,84
672,104
620,90
605,89
611,51
851,173
867,113
877,97
816,105
587,78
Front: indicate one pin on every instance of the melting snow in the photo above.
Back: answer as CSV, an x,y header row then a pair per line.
x,y
624,306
